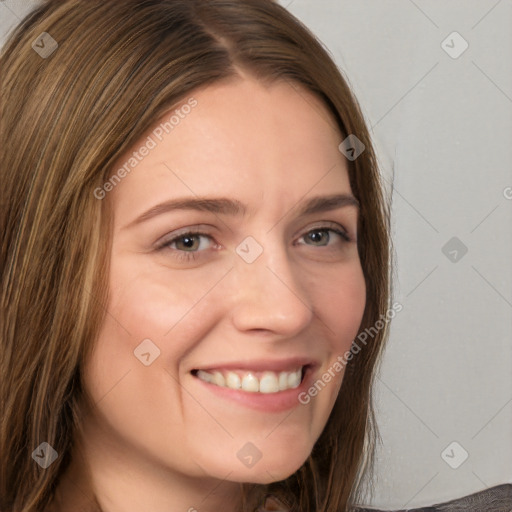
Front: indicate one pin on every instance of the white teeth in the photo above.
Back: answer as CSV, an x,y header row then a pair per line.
x,y
207,377
294,380
219,379
269,382
283,381
250,383
233,381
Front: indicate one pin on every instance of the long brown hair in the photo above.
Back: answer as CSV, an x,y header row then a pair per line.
x,y
109,69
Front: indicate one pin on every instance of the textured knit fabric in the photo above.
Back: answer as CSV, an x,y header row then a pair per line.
x,y
495,499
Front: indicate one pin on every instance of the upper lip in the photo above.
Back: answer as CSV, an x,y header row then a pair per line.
x,y
261,365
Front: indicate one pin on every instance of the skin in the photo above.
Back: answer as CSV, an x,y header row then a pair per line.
x,y
158,439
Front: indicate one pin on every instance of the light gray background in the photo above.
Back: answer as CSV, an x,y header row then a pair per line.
x,y
443,125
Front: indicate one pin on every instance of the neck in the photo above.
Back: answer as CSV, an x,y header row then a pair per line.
x,y
121,482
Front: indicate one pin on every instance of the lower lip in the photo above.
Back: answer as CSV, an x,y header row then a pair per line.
x,y
268,402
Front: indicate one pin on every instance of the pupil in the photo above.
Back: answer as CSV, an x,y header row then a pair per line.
x,y
188,241
316,236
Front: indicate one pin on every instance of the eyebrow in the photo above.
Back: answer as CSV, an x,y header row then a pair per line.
x,y
233,207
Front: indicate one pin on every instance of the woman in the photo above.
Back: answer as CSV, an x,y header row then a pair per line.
x,y
195,242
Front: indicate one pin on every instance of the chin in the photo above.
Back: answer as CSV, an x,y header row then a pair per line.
x,y
268,476
267,471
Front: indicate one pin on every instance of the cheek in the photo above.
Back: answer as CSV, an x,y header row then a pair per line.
x,y
340,300
134,398
174,314
158,303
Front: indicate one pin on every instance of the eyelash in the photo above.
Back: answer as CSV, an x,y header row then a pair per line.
x,y
192,255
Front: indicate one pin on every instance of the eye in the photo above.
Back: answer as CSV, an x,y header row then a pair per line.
x,y
322,234
185,246
188,246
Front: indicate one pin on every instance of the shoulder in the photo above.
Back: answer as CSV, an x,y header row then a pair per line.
x,y
495,499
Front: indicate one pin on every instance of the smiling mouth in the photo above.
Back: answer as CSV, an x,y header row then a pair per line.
x,y
253,381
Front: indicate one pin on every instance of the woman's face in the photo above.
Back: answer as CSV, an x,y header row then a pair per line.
x,y
266,293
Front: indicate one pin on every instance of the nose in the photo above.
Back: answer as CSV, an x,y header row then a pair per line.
x,y
269,294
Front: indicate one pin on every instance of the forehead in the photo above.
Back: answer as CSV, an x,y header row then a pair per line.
x,y
235,135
